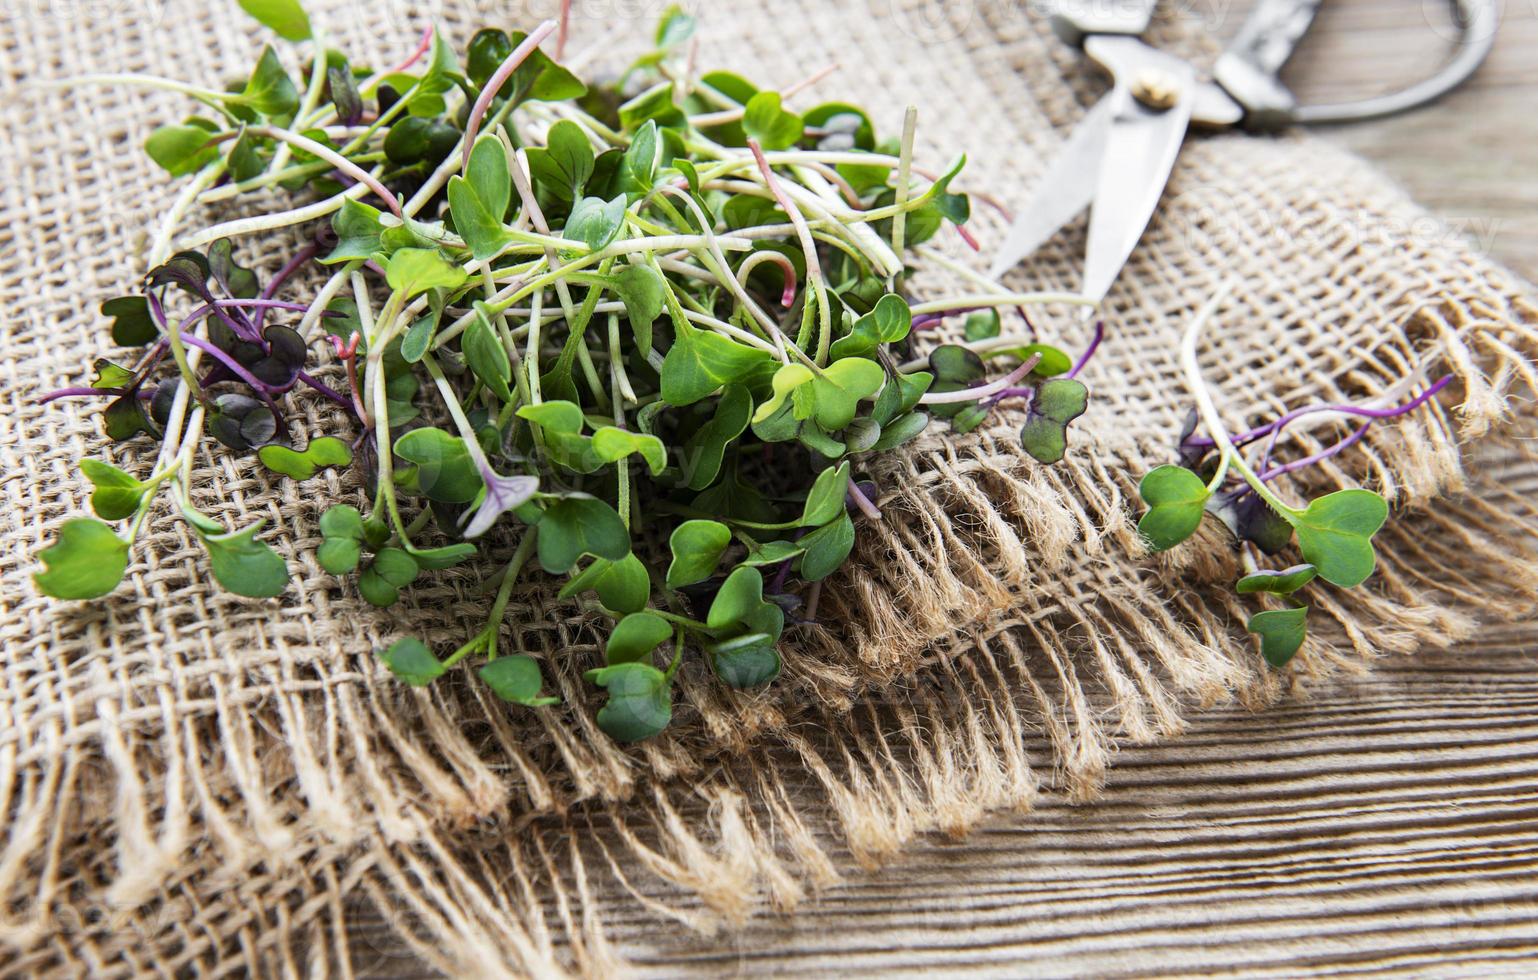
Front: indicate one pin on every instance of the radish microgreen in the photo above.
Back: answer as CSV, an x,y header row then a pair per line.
x,y
1334,532
669,308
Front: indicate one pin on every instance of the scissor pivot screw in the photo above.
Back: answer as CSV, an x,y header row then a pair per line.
x,y
1156,89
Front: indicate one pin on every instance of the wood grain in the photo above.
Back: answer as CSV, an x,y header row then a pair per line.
x,y
1384,826
1471,158
1387,826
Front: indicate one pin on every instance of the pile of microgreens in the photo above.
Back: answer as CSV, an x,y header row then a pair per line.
x,y
662,309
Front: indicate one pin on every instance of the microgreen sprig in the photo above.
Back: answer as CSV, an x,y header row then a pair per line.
x,y
665,334
1333,532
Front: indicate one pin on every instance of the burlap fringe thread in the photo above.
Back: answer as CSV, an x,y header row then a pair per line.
x,y
935,756
1094,658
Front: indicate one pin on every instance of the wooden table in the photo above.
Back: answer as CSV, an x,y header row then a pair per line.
x,y
1389,825
1472,158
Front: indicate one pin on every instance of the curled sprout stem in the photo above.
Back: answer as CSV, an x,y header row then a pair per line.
x,y
1230,457
494,85
982,391
809,249
332,157
788,294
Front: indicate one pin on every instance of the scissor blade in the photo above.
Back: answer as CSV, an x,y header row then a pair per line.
x,y
1140,152
1063,191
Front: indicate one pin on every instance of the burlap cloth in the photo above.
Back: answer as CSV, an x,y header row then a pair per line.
x,y
194,782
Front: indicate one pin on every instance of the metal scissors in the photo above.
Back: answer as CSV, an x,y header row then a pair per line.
x,y
1118,159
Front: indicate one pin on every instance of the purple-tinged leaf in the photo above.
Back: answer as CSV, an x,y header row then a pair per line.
x,y
503,493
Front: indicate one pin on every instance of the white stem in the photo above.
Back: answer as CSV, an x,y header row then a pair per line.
x,y
323,298
161,249
518,163
808,250
334,158
723,274
1006,299
981,391
268,222
905,163
1208,411
143,81
1199,390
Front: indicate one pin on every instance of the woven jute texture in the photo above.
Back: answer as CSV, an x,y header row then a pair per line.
x,y
191,782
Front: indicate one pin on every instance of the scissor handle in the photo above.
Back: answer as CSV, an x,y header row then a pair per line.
x,y
1247,69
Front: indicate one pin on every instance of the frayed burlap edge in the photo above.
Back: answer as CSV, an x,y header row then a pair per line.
x,y
772,827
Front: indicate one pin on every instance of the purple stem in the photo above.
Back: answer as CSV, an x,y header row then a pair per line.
x,y
240,328
293,265
259,304
139,393
80,393
866,505
777,586
1089,351
239,370
266,390
1369,413
1011,393
327,391
1030,328
925,320
1323,454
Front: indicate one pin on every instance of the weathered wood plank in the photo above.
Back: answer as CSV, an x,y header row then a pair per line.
x,y
1390,824
1471,158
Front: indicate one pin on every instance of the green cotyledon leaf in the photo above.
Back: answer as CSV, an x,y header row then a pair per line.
x,y
832,398
445,470
579,525
516,679
286,17
244,565
411,661
87,561
1284,582
1176,498
322,451
746,661
117,494
635,636
697,547
1335,534
1281,633
640,701
1057,403
701,362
